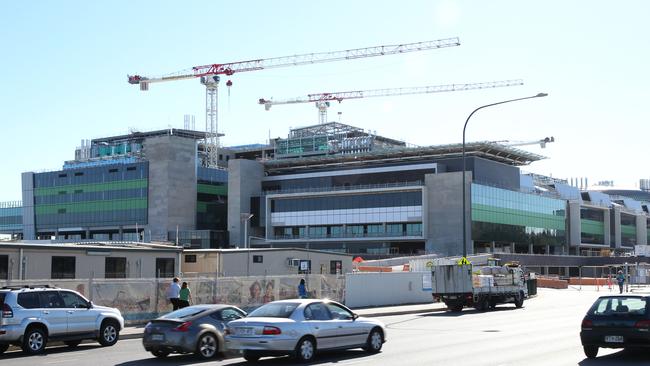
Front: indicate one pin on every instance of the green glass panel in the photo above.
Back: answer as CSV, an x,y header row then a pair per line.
x,y
92,187
92,206
217,190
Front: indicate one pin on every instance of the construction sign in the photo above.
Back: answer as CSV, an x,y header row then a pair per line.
x,y
464,261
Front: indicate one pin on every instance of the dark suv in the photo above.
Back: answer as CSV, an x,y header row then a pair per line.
x,y
32,316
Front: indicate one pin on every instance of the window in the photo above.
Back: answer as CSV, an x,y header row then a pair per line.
x,y
113,170
339,312
29,300
620,306
190,258
63,267
131,168
62,175
229,314
258,259
165,267
63,192
4,267
61,210
50,299
78,191
78,174
336,267
317,311
115,267
275,310
72,300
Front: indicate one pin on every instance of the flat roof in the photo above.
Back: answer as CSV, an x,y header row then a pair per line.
x,y
485,149
244,250
196,135
110,245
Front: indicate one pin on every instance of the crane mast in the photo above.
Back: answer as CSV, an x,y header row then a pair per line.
x,y
322,100
209,76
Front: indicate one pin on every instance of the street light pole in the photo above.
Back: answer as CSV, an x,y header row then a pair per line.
x,y
539,95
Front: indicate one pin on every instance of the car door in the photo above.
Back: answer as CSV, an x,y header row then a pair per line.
x,y
53,311
81,318
351,332
319,321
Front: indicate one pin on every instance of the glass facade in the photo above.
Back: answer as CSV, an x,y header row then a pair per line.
x,y
100,196
505,216
592,226
628,230
11,217
212,199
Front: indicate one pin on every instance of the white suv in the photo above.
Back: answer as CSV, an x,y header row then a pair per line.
x,y
32,316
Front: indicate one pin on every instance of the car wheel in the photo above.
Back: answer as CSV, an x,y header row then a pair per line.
x,y
72,344
375,341
3,348
519,300
108,333
591,351
207,346
34,341
305,349
160,353
251,357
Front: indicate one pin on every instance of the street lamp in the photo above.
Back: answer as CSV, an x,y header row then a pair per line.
x,y
539,95
246,218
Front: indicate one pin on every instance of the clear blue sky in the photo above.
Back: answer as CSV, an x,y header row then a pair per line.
x,y
64,67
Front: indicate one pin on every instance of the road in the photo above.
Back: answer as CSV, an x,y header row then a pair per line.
x,y
544,332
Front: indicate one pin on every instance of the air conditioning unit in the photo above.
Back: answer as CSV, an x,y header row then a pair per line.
x,y
293,262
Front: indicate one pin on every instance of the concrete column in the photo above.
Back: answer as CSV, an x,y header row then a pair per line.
x,y
617,228
530,248
641,230
574,223
608,229
512,247
244,181
120,233
29,226
548,249
567,271
493,246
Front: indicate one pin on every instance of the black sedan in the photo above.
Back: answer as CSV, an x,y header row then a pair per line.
x,y
621,321
195,329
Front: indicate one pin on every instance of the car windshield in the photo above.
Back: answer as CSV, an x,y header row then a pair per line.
x,y
275,310
184,313
620,306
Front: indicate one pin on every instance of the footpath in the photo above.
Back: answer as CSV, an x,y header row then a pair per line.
x,y
135,332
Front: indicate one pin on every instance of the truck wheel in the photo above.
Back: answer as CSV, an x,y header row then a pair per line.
x,y
519,299
456,308
482,304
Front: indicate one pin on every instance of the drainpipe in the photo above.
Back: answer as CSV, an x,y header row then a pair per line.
x,y
20,264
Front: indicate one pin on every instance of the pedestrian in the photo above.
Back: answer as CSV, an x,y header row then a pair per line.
x,y
184,296
172,293
302,291
620,278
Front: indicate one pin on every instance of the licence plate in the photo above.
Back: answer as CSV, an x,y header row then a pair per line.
x,y
244,331
614,339
157,337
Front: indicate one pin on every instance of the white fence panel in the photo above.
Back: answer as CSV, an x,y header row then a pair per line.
x,y
389,288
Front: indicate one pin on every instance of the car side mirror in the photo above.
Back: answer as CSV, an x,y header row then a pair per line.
x,y
89,305
354,316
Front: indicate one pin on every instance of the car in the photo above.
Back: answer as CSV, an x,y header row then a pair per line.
x,y
300,328
618,321
194,329
32,316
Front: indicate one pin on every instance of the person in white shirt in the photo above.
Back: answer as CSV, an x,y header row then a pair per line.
x,y
173,292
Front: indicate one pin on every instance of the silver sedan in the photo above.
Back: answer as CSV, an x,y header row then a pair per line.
x,y
300,327
195,329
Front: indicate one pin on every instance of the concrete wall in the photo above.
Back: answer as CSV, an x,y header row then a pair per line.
x,y
172,184
274,262
381,289
38,262
29,229
574,223
444,218
641,230
244,181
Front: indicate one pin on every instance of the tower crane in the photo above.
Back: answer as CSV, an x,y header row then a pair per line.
x,y
322,100
209,76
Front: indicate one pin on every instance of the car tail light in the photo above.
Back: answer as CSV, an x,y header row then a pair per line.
x,y
183,327
271,331
6,311
642,324
586,323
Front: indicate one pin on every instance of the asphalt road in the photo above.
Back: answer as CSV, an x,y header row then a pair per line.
x,y
544,332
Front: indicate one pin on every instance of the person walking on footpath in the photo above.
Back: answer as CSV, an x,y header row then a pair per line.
x,y
173,292
302,291
184,296
620,278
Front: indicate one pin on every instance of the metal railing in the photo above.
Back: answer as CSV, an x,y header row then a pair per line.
x,y
417,183
349,235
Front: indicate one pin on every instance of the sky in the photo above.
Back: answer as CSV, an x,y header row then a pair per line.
x,y
64,70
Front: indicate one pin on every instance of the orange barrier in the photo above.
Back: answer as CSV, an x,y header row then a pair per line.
x,y
588,281
374,269
552,283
